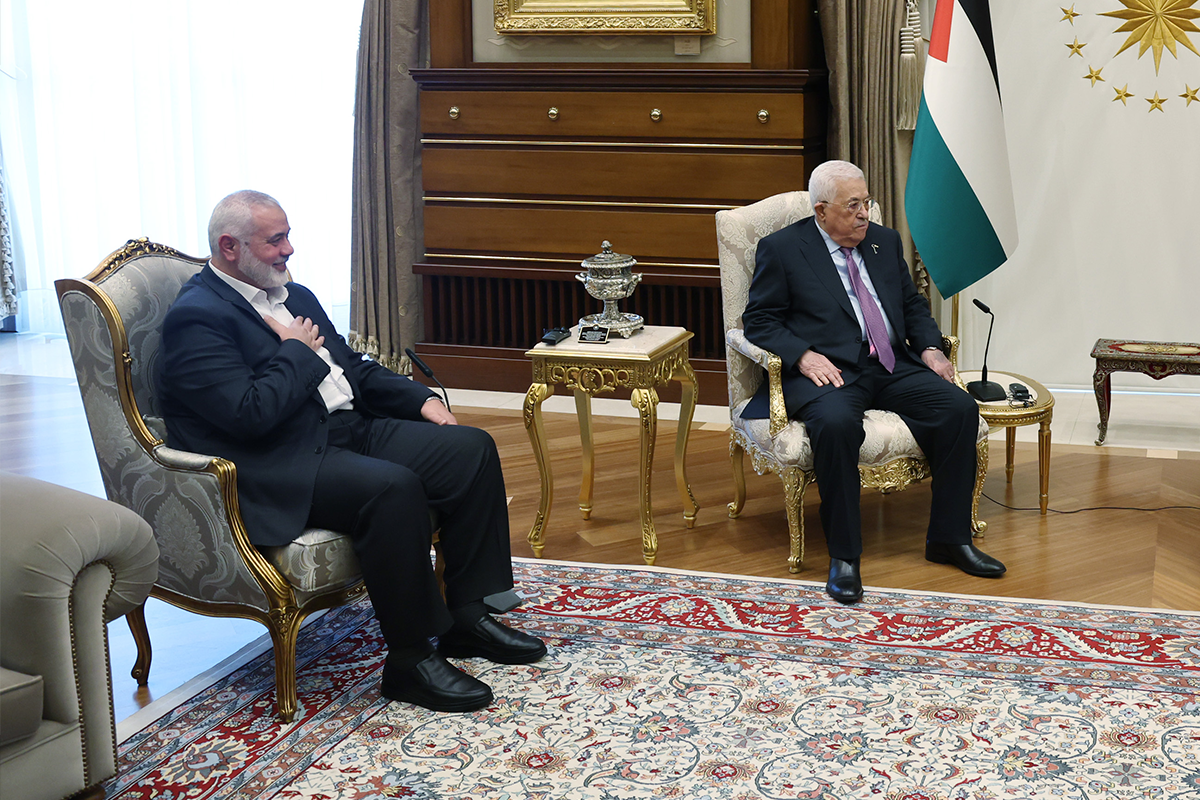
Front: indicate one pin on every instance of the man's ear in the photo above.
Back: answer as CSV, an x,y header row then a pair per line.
x,y
228,248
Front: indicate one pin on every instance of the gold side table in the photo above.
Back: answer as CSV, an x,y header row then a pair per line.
x,y
645,360
1002,414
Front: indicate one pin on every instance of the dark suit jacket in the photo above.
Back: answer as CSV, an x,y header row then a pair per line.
x,y
797,302
228,387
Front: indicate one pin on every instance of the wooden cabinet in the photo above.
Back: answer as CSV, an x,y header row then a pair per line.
x,y
527,170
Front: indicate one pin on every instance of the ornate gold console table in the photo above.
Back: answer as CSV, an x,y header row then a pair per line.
x,y
1156,359
647,359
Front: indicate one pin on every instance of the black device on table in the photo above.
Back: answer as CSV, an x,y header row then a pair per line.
x,y
1019,392
553,336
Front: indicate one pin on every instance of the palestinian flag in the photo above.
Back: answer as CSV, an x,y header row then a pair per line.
x,y
959,197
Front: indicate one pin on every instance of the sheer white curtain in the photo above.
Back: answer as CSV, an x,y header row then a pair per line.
x,y
133,117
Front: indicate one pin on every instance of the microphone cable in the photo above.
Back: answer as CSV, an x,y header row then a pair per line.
x,y
1089,508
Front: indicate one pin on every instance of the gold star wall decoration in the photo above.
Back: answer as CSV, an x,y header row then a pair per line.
x,y
1154,25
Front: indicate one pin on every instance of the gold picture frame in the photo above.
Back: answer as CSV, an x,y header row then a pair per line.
x,y
666,17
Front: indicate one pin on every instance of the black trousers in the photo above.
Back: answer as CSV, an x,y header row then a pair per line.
x,y
943,419
378,482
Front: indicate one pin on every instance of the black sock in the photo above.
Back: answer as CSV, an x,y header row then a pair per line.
x,y
466,616
408,655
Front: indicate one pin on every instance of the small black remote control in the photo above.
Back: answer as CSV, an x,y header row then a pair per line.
x,y
555,335
1019,391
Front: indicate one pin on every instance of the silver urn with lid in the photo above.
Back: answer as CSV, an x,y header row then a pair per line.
x,y
610,278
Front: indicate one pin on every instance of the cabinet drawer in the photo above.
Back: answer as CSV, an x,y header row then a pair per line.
x,y
619,116
645,234
666,175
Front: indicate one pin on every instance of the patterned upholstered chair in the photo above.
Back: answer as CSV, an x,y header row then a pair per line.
x,y
207,563
889,459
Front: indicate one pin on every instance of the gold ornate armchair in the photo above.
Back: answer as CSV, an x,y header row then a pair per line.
x,y
889,459
207,563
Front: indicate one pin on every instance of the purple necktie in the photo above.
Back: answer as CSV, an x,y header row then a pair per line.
x,y
876,329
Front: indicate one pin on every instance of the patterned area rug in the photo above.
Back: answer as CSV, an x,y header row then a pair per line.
x,y
662,684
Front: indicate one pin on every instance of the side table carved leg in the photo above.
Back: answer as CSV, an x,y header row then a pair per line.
x,y
1044,464
1102,383
532,412
646,402
583,411
687,408
1010,448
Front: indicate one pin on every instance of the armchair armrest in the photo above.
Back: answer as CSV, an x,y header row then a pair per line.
x,y
950,348
181,459
773,364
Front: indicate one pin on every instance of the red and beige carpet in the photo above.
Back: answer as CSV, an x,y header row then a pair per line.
x,y
662,684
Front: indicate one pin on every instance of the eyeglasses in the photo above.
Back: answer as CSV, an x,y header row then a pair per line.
x,y
854,205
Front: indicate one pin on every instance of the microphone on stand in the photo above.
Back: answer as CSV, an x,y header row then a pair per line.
x,y
421,365
984,390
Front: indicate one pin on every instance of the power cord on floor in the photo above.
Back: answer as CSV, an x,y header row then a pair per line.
x,y
1089,508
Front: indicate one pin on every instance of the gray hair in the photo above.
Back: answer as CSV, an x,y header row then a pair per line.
x,y
233,216
823,183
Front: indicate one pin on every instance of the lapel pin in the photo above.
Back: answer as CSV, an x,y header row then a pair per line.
x,y
874,248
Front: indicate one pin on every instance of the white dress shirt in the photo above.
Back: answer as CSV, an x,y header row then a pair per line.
x,y
335,388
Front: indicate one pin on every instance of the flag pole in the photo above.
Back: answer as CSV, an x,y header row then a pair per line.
x,y
954,316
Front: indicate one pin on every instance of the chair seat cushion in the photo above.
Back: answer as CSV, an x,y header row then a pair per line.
x,y
316,561
887,439
21,698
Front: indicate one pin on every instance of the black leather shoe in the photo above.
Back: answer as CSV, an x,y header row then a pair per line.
x,y
967,557
845,584
492,640
435,684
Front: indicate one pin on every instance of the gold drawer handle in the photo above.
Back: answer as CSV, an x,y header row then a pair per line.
x,y
655,114
553,112
453,112
764,116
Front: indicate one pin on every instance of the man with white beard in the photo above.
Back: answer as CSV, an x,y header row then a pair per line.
x,y
251,369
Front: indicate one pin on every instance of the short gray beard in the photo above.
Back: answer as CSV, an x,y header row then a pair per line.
x,y
260,273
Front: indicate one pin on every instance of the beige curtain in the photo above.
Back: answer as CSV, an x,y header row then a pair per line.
x,y
386,225
871,94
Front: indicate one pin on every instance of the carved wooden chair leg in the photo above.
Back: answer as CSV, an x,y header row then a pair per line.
x,y
141,637
285,630
736,454
978,526
795,481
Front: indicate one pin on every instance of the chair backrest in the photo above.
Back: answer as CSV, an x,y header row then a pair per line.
x,y
113,320
738,232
